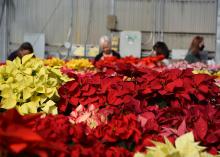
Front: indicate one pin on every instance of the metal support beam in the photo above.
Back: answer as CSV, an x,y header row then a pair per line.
x,y
217,55
112,9
4,31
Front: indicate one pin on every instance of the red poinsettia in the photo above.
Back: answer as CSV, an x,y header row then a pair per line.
x,y
118,152
53,128
112,62
124,127
168,103
69,72
108,62
129,59
151,61
17,139
177,87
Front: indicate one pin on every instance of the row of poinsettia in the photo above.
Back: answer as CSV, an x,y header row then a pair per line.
x,y
166,103
115,112
55,136
122,136
84,65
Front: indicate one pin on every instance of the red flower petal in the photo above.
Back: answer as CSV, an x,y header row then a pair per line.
x,y
74,101
175,84
200,128
204,88
182,128
200,97
199,78
17,148
20,132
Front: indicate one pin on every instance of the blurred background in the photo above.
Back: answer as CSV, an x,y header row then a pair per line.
x,y
75,26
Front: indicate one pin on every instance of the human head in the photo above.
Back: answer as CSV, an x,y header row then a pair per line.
x,y
197,45
105,44
24,49
161,49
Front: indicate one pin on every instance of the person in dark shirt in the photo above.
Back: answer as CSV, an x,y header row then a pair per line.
x,y
196,51
161,48
24,49
105,49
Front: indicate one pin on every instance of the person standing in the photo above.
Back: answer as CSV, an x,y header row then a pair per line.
x,y
196,51
105,49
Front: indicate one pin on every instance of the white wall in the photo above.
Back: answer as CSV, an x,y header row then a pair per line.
x,y
183,19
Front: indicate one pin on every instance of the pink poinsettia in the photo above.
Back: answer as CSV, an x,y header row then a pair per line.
x,y
184,65
92,116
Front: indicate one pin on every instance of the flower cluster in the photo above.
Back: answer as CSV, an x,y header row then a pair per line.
x,y
79,64
119,111
185,65
184,146
53,62
168,88
29,86
17,137
156,104
112,63
91,116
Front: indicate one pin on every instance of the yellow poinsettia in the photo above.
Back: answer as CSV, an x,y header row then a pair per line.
x,y
29,86
211,73
202,72
217,74
185,146
54,62
79,64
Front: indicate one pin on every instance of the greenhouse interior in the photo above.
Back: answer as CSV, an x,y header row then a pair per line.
x,y
109,78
